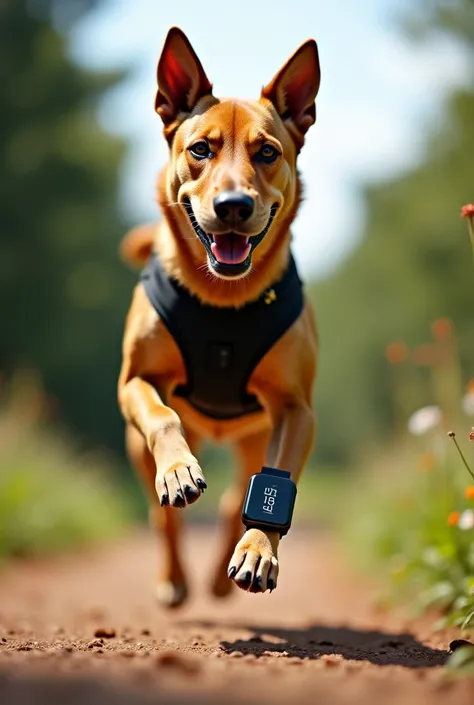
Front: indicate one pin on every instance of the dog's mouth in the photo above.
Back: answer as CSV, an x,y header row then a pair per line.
x,y
230,253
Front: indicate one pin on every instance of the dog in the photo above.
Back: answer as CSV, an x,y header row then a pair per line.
x,y
220,343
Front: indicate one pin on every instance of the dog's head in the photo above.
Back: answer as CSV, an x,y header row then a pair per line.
x,y
232,178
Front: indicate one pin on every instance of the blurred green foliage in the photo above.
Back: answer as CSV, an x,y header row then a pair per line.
x,y
404,522
412,266
52,496
408,512
64,291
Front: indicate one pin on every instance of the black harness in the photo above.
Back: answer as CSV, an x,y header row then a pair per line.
x,y
222,346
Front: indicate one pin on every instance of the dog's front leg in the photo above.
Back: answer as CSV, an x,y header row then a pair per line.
x,y
254,564
292,438
179,479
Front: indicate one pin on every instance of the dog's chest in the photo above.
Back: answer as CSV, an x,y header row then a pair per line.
x,y
222,346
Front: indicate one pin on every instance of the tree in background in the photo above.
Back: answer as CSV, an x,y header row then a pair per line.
x,y
64,292
413,266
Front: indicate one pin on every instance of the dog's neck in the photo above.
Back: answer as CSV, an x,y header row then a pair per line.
x,y
180,262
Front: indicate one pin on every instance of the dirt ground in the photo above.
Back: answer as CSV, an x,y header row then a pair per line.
x,y
317,638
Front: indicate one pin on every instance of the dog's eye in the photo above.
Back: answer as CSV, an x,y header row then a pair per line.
x,y
268,153
200,150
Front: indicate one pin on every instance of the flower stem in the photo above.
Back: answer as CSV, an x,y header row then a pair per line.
x,y
452,435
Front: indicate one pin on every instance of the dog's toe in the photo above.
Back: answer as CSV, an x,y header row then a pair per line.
x,y
164,498
197,478
244,579
256,585
178,500
191,493
180,485
254,566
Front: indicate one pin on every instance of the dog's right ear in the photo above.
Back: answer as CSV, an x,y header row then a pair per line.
x,y
181,79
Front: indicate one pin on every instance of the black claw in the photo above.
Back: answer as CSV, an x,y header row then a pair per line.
x,y
257,584
165,500
179,500
191,493
271,584
245,581
201,484
231,572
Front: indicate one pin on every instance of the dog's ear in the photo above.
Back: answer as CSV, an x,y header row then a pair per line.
x,y
181,78
294,88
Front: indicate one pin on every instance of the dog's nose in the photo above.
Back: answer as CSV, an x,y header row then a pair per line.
x,y
233,207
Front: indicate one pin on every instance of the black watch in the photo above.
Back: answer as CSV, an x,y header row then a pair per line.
x,y
269,501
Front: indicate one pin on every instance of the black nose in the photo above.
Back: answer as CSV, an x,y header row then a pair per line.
x,y
233,207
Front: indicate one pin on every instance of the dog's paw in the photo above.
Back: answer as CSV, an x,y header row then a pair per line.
x,y
180,484
170,594
254,564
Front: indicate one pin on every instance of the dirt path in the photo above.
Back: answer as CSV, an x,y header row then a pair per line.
x,y
317,638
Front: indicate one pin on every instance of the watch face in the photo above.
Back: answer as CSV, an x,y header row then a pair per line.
x,y
269,500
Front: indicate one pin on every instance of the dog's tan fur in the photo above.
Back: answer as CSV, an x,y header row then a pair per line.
x,y
163,431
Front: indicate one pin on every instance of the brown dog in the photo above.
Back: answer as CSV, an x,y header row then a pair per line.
x,y
220,265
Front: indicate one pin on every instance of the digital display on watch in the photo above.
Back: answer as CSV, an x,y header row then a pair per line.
x,y
269,501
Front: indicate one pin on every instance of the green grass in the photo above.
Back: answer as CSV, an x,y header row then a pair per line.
x,y
395,518
400,512
52,497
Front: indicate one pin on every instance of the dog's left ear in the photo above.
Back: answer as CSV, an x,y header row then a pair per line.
x,y
181,78
294,88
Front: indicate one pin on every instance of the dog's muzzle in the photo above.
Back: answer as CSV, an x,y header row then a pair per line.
x,y
229,254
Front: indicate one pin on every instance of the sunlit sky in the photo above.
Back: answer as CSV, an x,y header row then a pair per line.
x,y
378,94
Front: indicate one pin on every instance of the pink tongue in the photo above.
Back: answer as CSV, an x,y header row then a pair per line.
x,y
230,248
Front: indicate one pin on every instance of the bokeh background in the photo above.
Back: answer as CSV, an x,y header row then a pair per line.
x,y
378,239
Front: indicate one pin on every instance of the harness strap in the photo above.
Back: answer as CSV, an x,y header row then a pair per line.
x,y
221,346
